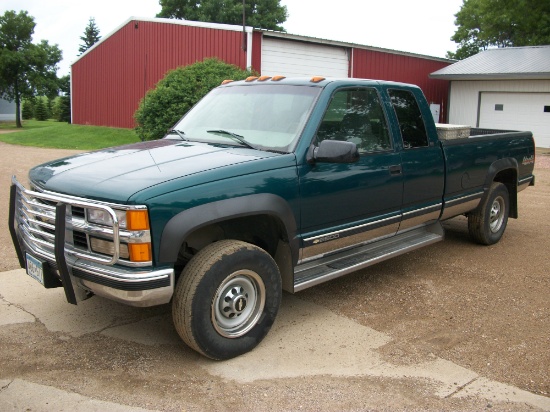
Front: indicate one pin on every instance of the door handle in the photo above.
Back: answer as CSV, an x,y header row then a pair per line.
x,y
395,170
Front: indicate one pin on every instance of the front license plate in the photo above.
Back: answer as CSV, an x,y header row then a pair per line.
x,y
35,269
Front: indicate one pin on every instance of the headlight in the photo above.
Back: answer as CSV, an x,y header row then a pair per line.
x,y
129,219
102,217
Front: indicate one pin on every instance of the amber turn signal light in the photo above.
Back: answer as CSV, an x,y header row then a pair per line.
x,y
137,220
140,252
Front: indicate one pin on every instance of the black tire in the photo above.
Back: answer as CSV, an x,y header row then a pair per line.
x,y
487,223
226,299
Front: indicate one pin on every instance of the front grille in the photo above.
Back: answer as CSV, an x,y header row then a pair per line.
x,y
35,216
80,239
78,212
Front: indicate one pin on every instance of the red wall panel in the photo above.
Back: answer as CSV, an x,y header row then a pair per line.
x,y
110,80
380,65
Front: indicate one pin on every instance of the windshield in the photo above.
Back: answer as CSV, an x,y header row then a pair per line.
x,y
267,117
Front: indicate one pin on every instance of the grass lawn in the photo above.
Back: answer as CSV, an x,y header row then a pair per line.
x,y
66,136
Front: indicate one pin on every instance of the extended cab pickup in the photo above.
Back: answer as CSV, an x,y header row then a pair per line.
x,y
266,185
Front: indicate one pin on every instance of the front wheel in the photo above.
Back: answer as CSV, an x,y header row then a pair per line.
x,y
226,299
487,223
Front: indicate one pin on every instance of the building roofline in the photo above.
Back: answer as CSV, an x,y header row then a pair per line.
x,y
493,76
337,43
508,63
206,25
249,29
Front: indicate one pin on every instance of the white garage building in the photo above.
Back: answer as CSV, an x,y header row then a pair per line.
x,y
506,88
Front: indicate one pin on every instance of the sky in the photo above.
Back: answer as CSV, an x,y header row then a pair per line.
x,y
415,26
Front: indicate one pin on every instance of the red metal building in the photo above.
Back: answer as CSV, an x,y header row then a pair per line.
x,y
111,78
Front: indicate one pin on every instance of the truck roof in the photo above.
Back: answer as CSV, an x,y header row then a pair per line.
x,y
318,81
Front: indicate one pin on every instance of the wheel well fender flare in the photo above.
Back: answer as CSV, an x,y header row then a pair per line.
x,y
180,226
498,173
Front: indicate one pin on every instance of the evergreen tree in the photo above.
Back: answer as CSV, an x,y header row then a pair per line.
x,y
28,109
91,36
40,110
64,101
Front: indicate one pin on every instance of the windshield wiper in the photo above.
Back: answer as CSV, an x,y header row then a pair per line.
x,y
236,137
179,133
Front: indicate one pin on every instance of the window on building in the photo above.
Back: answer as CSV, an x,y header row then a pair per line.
x,y
411,122
499,107
356,115
546,109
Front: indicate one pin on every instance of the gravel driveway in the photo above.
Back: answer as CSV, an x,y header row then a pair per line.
x,y
485,309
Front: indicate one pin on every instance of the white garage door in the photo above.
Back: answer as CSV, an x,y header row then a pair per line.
x,y
292,58
517,111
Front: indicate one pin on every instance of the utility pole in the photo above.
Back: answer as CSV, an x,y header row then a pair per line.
x,y
244,27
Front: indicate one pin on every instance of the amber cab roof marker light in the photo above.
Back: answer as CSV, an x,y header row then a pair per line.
x,y
263,78
251,78
227,81
277,78
317,79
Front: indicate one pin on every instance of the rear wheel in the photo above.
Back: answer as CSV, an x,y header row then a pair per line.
x,y
226,299
487,223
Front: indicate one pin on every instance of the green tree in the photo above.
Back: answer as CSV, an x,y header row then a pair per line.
x,y
26,69
63,103
177,92
265,14
91,36
40,110
500,23
28,109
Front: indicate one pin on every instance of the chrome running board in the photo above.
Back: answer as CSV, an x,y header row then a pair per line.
x,y
332,266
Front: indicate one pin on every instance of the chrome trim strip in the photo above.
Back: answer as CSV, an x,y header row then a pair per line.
x,y
525,180
121,275
427,208
76,199
349,229
463,198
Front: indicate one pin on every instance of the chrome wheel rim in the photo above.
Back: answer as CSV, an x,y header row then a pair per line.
x,y
238,303
496,216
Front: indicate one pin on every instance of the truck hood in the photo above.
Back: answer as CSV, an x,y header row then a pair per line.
x,y
115,174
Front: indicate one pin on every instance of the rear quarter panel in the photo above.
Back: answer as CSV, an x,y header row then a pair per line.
x,y
472,163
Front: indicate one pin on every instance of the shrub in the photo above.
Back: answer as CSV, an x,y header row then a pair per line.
x,y
177,92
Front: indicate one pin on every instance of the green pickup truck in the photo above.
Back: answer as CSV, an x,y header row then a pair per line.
x,y
266,185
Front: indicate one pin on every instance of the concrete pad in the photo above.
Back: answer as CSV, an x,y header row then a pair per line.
x,y
20,395
10,314
158,330
309,340
499,392
306,340
50,306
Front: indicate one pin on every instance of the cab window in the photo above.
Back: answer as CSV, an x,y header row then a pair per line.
x,y
411,123
356,115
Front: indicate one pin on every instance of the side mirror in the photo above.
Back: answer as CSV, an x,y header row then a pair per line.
x,y
333,151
